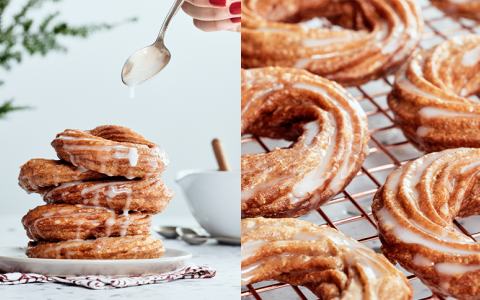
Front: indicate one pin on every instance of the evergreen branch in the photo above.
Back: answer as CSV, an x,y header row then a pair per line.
x,y
25,36
43,39
43,26
3,5
8,106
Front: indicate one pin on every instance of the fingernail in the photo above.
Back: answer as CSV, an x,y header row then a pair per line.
x,y
236,8
221,3
236,20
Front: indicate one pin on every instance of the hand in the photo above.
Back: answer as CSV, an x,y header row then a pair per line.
x,y
214,15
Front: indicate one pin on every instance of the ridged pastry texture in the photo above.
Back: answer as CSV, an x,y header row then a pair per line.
x,y
377,36
131,247
330,138
150,195
415,210
37,175
62,222
330,264
99,196
459,8
111,150
429,97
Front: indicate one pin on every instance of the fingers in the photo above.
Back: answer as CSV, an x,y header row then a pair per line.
x,y
237,28
210,3
209,26
214,15
211,13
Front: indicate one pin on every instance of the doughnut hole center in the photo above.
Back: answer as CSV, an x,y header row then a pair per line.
x,y
280,128
469,206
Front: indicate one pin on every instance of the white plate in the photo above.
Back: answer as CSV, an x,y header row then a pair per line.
x,y
13,259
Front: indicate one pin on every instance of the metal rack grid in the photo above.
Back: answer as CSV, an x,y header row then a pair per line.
x,y
438,27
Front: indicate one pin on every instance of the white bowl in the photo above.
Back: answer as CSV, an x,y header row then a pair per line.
x,y
214,200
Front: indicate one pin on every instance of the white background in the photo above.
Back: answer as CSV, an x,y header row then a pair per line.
x,y
192,101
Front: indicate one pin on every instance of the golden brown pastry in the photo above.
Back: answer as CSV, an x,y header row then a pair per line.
x,y
130,247
93,212
149,195
330,264
330,138
429,97
414,211
111,150
377,36
459,8
38,174
62,222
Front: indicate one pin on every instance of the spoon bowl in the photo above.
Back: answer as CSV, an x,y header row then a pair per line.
x,y
166,231
197,236
193,230
144,64
147,62
194,239
197,239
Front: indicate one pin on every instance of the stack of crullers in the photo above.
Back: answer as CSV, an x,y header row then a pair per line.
x,y
99,196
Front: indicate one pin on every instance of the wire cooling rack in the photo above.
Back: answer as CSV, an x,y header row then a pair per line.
x,y
350,212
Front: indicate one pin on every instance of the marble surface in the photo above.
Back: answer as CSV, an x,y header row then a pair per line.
x,y
225,259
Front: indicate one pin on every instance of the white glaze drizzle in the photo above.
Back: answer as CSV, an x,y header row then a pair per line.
x,y
394,43
99,244
62,213
144,65
315,178
443,241
455,269
110,190
323,42
262,93
356,255
131,91
412,174
422,261
272,30
115,152
471,57
247,194
311,130
391,41
406,85
422,131
430,112
434,112
407,235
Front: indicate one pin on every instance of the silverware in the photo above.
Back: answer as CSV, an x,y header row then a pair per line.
x,y
198,235
166,231
195,239
193,236
193,230
147,62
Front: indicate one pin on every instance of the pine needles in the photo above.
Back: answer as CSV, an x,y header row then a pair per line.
x,y
24,36
7,107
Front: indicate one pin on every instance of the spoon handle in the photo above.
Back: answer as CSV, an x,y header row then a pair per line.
x,y
225,239
171,14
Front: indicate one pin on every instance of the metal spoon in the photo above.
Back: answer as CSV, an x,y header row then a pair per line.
x,y
147,62
195,239
194,230
166,231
